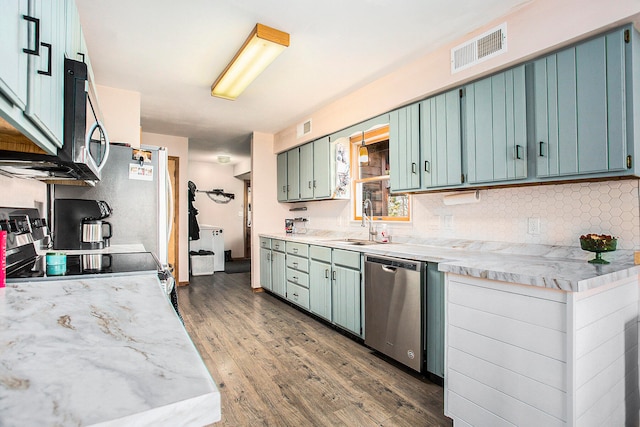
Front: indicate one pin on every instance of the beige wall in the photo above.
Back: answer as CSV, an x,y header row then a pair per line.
x,y
23,193
121,111
536,28
268,214
228,216
178,147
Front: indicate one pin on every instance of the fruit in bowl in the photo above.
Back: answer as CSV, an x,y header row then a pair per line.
x,y
598,243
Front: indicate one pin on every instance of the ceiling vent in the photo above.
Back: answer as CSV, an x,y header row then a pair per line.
x,y
481,48
304,128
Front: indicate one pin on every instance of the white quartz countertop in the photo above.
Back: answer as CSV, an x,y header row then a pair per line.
x,y
554,267
99,351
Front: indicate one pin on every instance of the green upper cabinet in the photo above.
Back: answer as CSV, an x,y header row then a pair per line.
x,y
495,127
580,108
305,167
404,148
32,72
441,141
322,168
13,72
46,70
293,175
282,177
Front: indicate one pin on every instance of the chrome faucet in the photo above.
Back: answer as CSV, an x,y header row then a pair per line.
x,y
366,218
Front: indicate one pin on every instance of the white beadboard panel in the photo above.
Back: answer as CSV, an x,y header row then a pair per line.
x,y
469,414
595,334
600,304
514,288
544,341
547,370
525,389
595,361
610,405
623,417
501,404
533,310
589,394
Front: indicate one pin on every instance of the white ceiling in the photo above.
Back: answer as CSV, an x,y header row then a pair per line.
x,y
171,52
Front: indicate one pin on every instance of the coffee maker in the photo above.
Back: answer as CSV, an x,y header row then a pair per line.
x,y
78,224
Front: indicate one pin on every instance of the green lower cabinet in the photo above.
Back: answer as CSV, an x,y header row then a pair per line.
x,y
346,298
434,330
278,273
320,287
265,268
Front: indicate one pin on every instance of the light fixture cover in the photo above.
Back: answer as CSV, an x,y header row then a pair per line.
x,y
363,152
224,159
262,46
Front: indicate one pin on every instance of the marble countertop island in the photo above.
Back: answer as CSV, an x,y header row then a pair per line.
x,y
554,267
99,351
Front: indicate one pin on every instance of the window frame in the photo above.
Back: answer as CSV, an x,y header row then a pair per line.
x,y
372,136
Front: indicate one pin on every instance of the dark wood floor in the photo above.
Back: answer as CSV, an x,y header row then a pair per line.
x,y
276,366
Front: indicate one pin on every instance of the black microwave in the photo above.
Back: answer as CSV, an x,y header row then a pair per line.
x,y
85,146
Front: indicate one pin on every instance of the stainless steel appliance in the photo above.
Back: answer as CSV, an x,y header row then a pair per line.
x,y
93,233
394,294
77,223
142,209
84,153
25,228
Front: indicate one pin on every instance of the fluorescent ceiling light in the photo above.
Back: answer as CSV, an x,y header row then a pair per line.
x,y
259,50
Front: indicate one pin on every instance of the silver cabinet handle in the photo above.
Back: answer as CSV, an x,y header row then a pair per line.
x,y
333,275
326,273
427,166
518,152
295,264
413,168
295,250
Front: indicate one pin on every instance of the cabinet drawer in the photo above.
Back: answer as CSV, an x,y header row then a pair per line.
x,y
277,245
300,249
320,253
346,258
298,263
297,277
298,295
265,242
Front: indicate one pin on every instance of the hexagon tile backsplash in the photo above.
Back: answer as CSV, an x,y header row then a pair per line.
x,y
563,212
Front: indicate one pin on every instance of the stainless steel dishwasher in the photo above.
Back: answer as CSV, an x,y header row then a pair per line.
x,y
393,292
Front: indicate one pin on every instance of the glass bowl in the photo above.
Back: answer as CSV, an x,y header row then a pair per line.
x,y
598,243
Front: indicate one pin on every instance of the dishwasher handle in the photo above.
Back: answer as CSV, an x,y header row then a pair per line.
x,y
389,269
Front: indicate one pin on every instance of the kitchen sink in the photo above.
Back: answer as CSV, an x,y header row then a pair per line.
x,y
355,242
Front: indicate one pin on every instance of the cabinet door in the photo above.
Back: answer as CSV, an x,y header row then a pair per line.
x,y
45,93
278,273
265,268
293,174
305,167
495,127
434,328
282,177
580,112
322,168
14,30
404,148
75,46
346,299
441,140
320,288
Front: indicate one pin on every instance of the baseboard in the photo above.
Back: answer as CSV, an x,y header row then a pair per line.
x,y
183,283
257,290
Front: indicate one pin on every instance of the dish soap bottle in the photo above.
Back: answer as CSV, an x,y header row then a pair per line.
x,y
384,234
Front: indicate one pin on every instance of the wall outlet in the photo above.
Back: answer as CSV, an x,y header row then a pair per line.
x,y
533,225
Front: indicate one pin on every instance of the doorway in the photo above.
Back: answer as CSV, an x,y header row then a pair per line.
x,y
174,242
247,218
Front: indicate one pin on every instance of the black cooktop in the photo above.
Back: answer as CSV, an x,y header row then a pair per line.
x,y
89,264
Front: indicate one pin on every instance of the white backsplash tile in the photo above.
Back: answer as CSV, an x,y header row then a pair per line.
x,y
565,211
